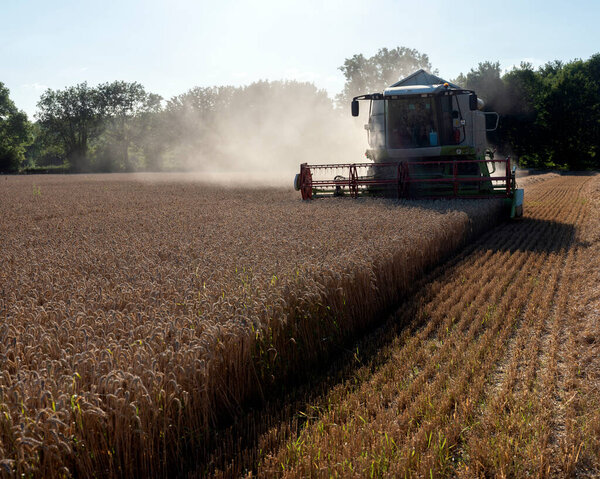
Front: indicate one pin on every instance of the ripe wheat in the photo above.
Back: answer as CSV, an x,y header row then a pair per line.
x,y
136,317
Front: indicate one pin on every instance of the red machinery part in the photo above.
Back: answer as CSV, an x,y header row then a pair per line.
x,y
353,181
402,179
305,182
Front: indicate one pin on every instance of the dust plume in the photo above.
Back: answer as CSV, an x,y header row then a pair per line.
x,y
266,129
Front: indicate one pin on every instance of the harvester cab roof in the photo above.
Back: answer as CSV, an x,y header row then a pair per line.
x,y
427,139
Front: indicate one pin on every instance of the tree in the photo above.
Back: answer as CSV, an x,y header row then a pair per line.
x,y
73,114
373,74
569,113
96,127
549,117
486,81
15,133
46,148
518,130
126,110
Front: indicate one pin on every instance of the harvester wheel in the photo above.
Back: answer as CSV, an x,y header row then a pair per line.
x,y
306,183
338,188
353,182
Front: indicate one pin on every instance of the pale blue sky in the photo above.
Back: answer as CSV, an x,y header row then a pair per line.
x,y
171,46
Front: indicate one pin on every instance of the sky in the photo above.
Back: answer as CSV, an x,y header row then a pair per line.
x,y
172,46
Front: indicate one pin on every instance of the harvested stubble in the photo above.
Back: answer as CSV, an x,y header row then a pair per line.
x,y
136,317
496,374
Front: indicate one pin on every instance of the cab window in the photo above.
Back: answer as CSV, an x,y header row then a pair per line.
x,y
412,123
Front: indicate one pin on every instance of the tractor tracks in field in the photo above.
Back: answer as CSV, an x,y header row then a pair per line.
x,y
475,373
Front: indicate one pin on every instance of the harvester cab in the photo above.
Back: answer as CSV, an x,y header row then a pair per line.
x,y
427,139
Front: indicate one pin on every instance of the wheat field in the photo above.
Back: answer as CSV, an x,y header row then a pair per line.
x,y
137,317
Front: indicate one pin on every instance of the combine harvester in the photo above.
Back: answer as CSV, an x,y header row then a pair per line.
x,y
427,140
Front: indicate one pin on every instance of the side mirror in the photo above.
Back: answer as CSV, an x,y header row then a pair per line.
x,y
491,120
473,101
354,107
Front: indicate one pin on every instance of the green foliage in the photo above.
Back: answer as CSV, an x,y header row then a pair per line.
x,y
74,117
485,80
15,133
550,118
126,110
54,169
569,110
96,127
368,75
46,149
517,133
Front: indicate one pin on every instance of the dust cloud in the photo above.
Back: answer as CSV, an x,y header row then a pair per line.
x,y
260,134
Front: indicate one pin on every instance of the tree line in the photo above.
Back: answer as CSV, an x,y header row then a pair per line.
x,y
119,126
550,118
